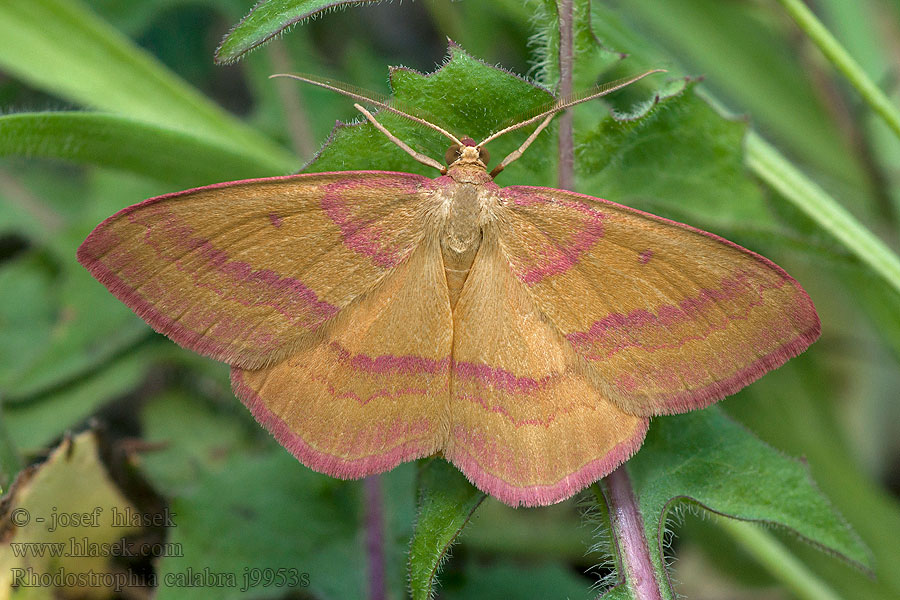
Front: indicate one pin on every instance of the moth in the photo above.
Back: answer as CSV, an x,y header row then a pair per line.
x,y
526,334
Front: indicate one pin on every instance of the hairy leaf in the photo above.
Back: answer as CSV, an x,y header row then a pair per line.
x,y
465,96
705,460
269,18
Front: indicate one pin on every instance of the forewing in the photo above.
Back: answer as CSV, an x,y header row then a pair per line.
x,y
667,318
525,425
374,392
242,271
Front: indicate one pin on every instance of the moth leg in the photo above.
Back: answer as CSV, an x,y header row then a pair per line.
x,y
425,160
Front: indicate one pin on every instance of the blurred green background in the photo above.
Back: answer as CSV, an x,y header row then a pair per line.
x,y
70,352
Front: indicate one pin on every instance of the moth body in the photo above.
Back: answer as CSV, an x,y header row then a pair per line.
x,y
469,202
527,334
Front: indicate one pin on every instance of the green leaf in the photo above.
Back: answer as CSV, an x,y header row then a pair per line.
x,y
779,560
815,424
507,579
674,156
502,28
10,461
27,311
36,423
269,18
706,460
267,511
843,62
180,158
465,96
744,54
788,180
77,341
278,514
792,105
197,440
446,503
62,47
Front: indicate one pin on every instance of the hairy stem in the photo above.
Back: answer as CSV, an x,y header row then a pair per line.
x,y
634,562
374,523
566,172
843,62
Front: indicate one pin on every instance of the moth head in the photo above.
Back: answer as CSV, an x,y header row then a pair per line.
x,y
467,153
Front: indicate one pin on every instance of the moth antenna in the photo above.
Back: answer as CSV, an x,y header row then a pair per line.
x,y
518,152
379,100
570,101
425,160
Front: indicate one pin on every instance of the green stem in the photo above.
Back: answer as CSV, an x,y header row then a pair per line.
x,y
843,62
764,160
778,560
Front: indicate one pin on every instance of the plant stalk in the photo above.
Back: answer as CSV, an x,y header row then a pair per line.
x,y
844,63
768,164
374,523
778,560
633,554
566,162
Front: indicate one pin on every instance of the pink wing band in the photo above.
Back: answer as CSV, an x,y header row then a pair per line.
x,y
543,495
362,236
329,464
213,332
561,258
179,333
525,195
700,398
111,265
618,331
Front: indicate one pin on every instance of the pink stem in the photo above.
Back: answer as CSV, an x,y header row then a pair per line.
x,y
374,522
566,163
628,532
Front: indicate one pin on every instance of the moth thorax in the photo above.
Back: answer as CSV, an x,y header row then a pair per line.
x,y
462,236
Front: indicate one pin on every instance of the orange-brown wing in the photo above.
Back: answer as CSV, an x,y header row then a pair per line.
x,y
525,425
667,318
374,391
241,271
